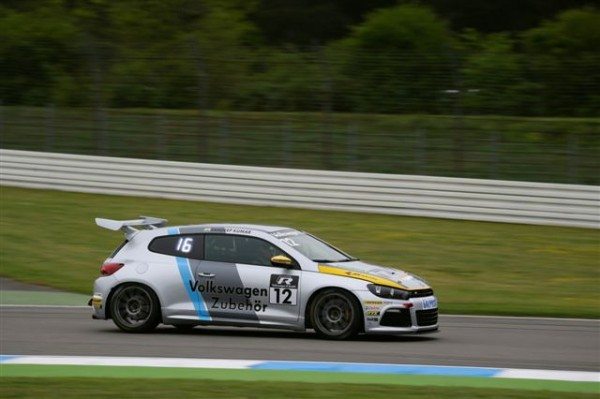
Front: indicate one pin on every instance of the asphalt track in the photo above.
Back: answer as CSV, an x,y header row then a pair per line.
x,y
564,344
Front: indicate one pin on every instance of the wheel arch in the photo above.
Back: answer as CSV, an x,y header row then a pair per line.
x,y
127,283
313,296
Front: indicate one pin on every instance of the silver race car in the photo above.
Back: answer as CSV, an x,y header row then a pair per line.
x,y
250,275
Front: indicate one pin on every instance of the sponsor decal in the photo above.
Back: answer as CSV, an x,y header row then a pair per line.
x,y
237,230
248,305
372,313
338,271
285,233
232,302
373,302
283,289
428,303
208,287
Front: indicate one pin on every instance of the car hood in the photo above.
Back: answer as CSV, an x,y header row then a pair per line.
x,y
374,273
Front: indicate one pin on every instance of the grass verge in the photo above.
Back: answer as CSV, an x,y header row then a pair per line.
x,y
8,297
49,238
256,384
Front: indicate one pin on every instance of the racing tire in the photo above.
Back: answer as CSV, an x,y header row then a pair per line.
x,y
335,314
135,308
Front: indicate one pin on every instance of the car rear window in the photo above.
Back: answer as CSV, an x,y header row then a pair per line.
x,y
183,245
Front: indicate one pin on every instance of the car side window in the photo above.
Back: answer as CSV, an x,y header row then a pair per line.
x,y
183,245
239,249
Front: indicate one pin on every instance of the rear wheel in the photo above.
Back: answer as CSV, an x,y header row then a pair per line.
x,y
335,314
135,308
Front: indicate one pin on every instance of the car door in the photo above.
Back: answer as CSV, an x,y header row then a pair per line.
x,y
239,284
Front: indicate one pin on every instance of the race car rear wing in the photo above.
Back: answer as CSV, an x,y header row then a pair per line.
x,y
128,226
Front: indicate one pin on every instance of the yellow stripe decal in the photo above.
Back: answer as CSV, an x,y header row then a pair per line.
x,y
336,271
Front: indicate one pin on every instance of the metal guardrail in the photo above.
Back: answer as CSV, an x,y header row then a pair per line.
x,y
427,196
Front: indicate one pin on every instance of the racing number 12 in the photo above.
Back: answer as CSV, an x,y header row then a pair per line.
x,y
283,296
283,293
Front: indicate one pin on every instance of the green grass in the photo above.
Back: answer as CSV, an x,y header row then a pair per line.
x,y
62,388
10,297
510,148
285,377
49,238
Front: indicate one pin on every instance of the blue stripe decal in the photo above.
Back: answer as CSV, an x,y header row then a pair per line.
x,y
378,368
183,265
4,358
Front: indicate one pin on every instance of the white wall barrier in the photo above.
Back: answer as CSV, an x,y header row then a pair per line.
x,y
428,196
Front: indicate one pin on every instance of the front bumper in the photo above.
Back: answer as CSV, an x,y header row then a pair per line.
x,y
416,315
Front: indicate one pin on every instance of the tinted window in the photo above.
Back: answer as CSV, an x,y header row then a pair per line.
x,y
239,249
185,245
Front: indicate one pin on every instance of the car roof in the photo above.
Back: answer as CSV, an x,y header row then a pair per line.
x,y
239,226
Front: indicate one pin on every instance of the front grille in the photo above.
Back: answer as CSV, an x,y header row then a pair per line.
x,y
427,317
396,318
421,293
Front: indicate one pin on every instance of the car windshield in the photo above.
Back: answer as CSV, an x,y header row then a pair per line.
x,y
313,248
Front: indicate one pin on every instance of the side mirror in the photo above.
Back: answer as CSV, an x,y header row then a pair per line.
x,y
281,261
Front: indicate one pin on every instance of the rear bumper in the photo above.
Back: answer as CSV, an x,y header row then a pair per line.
x,y
102,288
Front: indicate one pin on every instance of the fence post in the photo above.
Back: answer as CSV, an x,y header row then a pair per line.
x,y
421,151
1,123
203,138
458,136
351,145
287,153
224,140
159,129
494,161
326,88
99,117
49,131
573,157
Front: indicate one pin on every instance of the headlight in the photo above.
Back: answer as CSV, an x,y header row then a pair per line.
x,y
387,292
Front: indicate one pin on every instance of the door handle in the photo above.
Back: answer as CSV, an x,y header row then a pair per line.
x,y
207,275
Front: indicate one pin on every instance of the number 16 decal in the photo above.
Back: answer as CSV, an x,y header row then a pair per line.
x,y
184,244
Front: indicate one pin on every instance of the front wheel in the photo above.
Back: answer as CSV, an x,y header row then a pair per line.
x,y
335,314
135,308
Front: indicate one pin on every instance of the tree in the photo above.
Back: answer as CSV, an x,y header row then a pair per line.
x,y
400,60
493,78
500,15
563,57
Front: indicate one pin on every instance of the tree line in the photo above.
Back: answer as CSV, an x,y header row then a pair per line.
x,y
240,55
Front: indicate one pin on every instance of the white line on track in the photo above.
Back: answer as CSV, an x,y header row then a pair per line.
x,y
132,361
406,369
524,318
560,375
46,306
472,316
